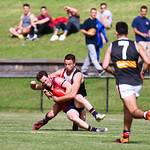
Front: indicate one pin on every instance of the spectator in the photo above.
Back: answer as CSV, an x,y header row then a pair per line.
x,y
73,24
91,42
43,25
25,23
106,17
141,27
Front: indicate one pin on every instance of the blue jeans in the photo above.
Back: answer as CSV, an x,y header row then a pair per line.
x,y
70,27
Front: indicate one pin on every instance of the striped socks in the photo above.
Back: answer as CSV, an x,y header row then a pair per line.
x,y
90,128
93,112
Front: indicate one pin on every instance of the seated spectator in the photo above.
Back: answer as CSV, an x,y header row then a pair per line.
x,y
25,23
43,24
106,17
73,24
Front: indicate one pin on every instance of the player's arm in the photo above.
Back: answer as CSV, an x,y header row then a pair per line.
x,y
21,22
106,61
56,74
32,19
103,38
136,31
145,58
36,86
87,33
73,10
149,32
64,84
42,21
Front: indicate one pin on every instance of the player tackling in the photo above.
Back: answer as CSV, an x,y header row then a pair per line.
x,y
124,54
71,107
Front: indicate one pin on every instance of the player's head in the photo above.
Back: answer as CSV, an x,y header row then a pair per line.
x,y
143,10
43,10
103,6
69,62
121,28
93,13
26,8
42,76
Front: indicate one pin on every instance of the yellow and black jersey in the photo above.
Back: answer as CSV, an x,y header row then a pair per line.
x,y
124,55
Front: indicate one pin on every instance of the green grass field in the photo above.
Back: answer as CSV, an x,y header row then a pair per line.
x,y
16,95
20,106
16,133
11,10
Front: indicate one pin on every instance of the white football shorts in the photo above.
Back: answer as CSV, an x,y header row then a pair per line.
x,y
125,90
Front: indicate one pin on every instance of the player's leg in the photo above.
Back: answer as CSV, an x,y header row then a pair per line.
x,y
127,126
131,103
103,20
93,56
73,115
80,101
85,65
14,32
25,30
82,116
50,115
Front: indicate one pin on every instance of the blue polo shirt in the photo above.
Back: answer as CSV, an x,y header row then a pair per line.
x,y
88,24
142,25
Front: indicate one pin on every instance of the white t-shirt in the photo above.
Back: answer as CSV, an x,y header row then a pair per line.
x,y
108,13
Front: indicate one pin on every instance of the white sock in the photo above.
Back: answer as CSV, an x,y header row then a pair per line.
x,y
144,115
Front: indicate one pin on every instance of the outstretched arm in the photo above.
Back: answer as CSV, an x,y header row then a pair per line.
x,y
73,10
36,86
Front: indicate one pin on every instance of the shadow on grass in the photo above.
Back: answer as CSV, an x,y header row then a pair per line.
x,y
68,130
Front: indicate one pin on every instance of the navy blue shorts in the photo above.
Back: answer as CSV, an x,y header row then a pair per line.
x,y
72,106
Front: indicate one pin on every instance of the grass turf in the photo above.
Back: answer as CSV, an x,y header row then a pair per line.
x,y
16,133
11,10
16,95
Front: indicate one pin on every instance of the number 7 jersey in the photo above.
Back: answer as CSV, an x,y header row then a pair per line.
x,y
124,55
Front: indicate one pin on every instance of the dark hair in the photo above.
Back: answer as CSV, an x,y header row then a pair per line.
x,y
143,7
41,74
122,28
93,9
26,5
103,4
70,57
44,7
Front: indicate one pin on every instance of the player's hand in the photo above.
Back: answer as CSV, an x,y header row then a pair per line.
x,y
66,8
142,75
33,84
55,99
48,94
91,33
145,35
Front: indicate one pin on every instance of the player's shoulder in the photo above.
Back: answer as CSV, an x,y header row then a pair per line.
x,y
77,75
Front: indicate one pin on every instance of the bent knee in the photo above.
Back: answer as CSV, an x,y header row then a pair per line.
x,y
78,96
11,30
51,115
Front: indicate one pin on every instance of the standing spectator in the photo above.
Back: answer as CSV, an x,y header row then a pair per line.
x,y
73,24
91,42
124,54
43,25
25,23
141,27
106,17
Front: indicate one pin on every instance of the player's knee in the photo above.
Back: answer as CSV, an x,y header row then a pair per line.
x,y
72,118
50,115
135,113
11,30
78,97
